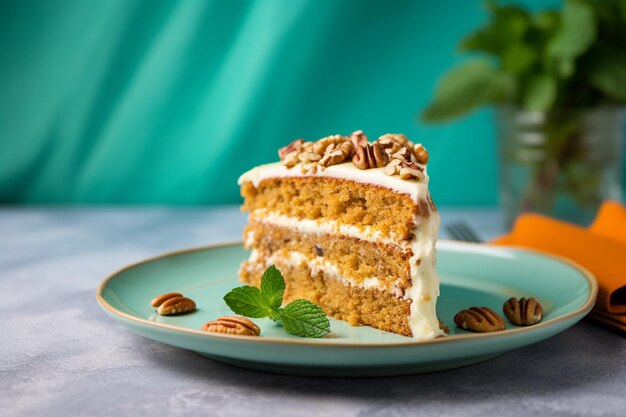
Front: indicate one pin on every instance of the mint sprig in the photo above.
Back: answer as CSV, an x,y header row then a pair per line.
x,y
300,317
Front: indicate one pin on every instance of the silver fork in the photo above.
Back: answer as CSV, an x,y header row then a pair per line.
x,y
461,230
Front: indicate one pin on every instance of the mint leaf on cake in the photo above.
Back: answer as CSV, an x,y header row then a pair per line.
x,y
300,318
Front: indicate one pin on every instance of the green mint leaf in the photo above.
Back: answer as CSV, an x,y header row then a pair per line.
x,y
273,288
305,319
249,302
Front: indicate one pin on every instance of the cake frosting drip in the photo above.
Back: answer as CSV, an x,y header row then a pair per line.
x,y
375,176
425,290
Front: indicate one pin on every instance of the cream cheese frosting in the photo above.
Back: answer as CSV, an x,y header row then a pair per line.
x,y
416,189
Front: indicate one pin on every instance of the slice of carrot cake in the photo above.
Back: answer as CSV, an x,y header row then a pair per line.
x,y
352,227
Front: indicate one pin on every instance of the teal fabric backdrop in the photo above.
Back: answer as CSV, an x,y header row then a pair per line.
x,y
128,101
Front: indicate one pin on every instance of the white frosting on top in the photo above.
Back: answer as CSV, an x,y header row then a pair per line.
x,y
347,171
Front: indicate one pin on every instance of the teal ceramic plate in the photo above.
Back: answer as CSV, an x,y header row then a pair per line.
x,y
471,275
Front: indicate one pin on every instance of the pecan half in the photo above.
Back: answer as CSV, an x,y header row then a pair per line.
x,y
232,325
370,156
176,305
523,312
160,299
479,319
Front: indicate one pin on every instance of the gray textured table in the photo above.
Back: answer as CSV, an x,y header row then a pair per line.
x,y
61,356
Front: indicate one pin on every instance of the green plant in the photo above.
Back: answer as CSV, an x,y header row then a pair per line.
x,y
569,58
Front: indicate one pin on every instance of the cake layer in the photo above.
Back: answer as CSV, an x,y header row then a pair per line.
x,y
344,201
357,306
355,260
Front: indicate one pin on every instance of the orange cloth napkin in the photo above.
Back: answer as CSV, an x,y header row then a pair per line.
x,y
601,249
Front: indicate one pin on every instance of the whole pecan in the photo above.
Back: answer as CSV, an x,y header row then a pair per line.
x,y
176,305
160,299
370,156
232,325
523,312
479,319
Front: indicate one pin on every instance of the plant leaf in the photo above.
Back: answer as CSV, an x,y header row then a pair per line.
x,y
508,25
540,93
273,287
467,87
305,319
248,301
518,58
608,75
576,32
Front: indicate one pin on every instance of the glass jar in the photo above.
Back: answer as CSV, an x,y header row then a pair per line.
x,y
562,163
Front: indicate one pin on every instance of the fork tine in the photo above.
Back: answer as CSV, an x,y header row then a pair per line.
x,y
454,231
462,231
470,232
